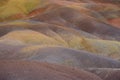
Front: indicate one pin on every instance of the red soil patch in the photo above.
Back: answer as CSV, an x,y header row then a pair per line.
x,y
37,11
13,17
115,22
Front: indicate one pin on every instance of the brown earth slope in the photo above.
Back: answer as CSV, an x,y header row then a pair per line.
x,y
14,70
106,73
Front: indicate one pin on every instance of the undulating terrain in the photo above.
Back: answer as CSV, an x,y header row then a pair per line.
x,y
59,39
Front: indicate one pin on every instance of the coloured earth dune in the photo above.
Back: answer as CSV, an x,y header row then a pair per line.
x,y
59,39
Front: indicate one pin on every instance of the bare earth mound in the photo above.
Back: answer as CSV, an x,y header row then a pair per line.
x,y
23,70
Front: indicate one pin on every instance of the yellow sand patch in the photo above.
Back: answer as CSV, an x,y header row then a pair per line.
x,y
31,37
3,2
13,7
105,47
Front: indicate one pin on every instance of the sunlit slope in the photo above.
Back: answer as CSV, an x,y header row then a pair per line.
x,y
18,7
31,37
102,47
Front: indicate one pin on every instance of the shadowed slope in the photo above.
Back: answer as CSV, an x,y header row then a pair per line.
x,y
72,18
56,55
13,70
72,58
42,27
109,1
